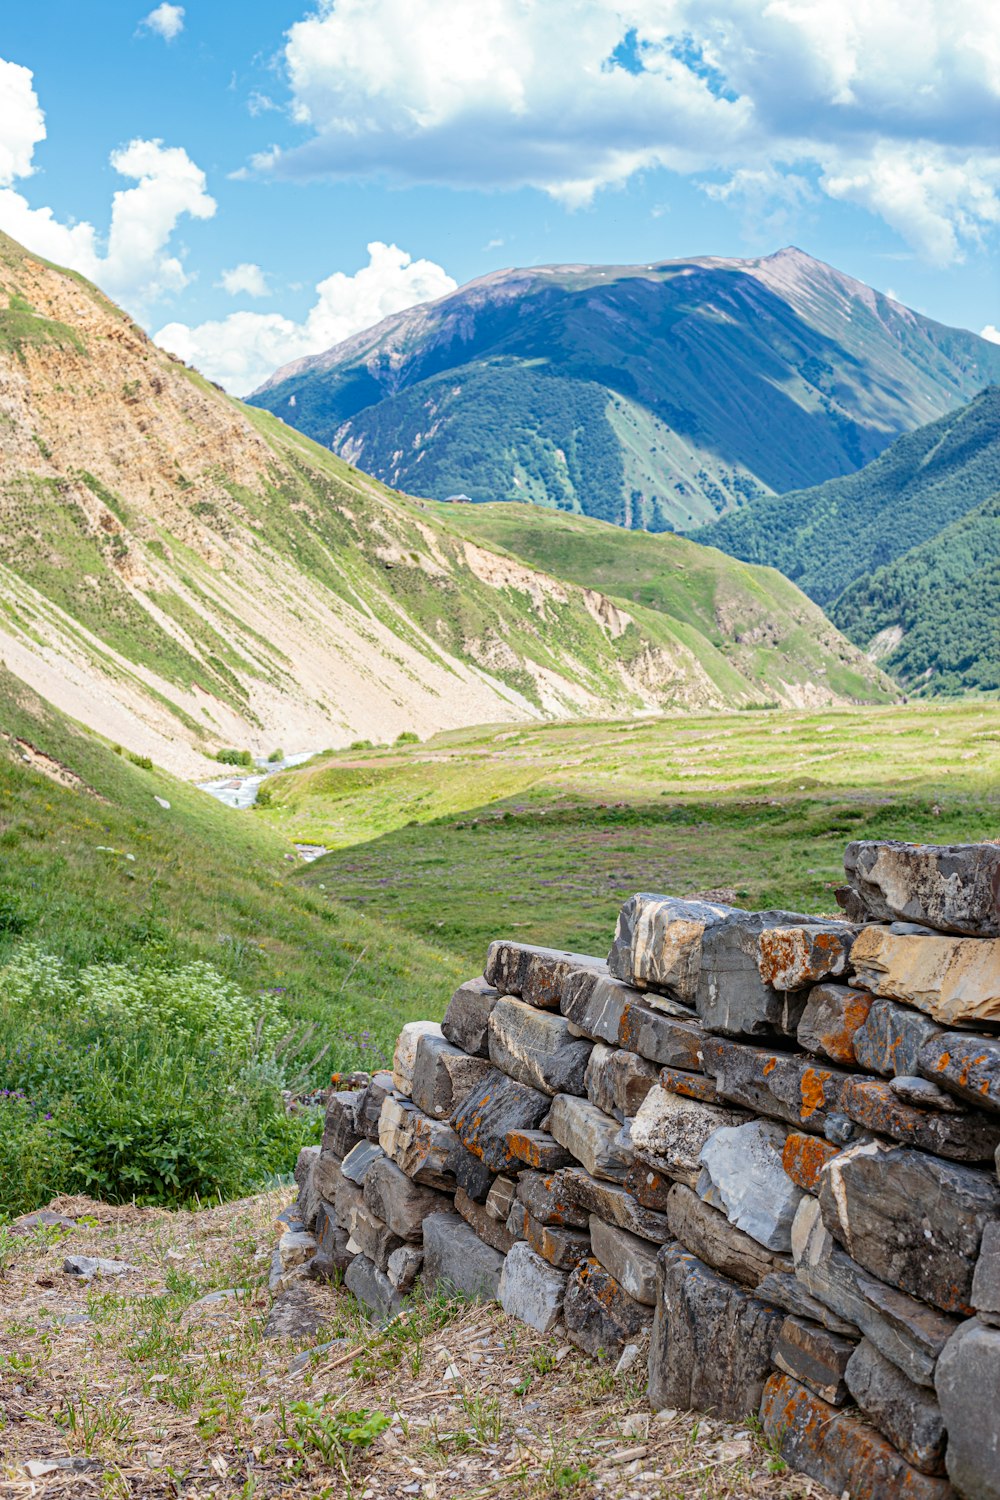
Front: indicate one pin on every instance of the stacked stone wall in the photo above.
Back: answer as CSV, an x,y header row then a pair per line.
x,y
767,1140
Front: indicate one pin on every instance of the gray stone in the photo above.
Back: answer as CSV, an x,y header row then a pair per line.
x,y
368,1109
890,1039
629,1259
530,1289
950,887
456,1260
743,1163
467,1018
648,1185
404,1058
793,958
615,1205
536,1048
297,1313
349,1195
294,1248
309,1198
42,1218
906,1331
670,1130
400,1202
324,1179
658,942
340,1131
698,1086
924,1094
968,1388
960,1137
816,1357
373,1289
905,1413
590,1136
371,1236
545,1197
832,1016
562,1248
490,1230
785,1085
600,1317
404,1267
609,1011
708,1234
471,1175
732,999
534,974
783,1289
912,1220
495,1106
500,1197
712,1340
333,1254
89,1266
357,1161
536,1148
422,1147
443,1075
617,1081
968,1065
986,1278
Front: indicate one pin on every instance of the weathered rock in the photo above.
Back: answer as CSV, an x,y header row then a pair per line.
x,y
783,1289
600,1317
833,1014
456,1259
348,1196
629,1259
743,1164
89,1266
371,1236
296,1313
495,1106
655,1027
905,1413
960,1137
708,1234
648,1185
712,1340
953,888
804,1157
617,1081
368,1109
471,1175
404,1267
404,1058
690,1085
422,1147
489,1229
359,1159
544,1195
793,958
534,974
815,1357
925,1094
536,1048
968,1388
912,1220
324,1179
536,1148
889,1040
968,1065
340,1131
466,1020
907,1332
784,1085
562,1248
41,1218
443,1075
373,1289
500,1197
333,1253
955,980
309,1198
530,1289
670,1130
658,942
986,1278
590,1136
295,1247
400,1202
615,1205
732,998
839,1450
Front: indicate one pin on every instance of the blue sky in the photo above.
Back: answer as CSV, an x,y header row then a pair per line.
x,y
261,148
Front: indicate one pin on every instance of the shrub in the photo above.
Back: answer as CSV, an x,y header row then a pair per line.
x,y
142,761
358,745
407,738
234,757
265,795
275,756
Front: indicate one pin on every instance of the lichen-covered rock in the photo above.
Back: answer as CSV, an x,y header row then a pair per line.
x,y
793,958
784,1085
955,980
658,942
615,1205
744,1170
832,1016
404,1057
490,1230
494,1107
466,1020
889,1039
804,1157
968,1388
600,1317
544,1195
968,1065
536,1148
670,1130
732,998
456,1260
590,1136
698,1086
536,1048
655,1027
905,1413
443,1075
617,1081
815,1357
952,888
534,974
960,1137
422,1147
708,1234
629,1259
530,1289
562,1248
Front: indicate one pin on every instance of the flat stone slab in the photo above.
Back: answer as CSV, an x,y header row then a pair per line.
x,y
911,1219
607,1010
41,1218
544,1195
424,1148
967,1065
615,1205
617,1081
784,1085
340,1127
466,1020
530,1289
443,1075
968,1388
743,1166
562,1248
536,1048
456,1260
708,1234
373,1289
732,998
804,1157
490,1230
700,1086
534,974
629,1259
86,1267
712,1340
536,1148
658,942
955,980
648,1185
370,1236
399,1201
600,1317
494,1107
670,1130
890,1038
924,1094
359,1159
950,887
905,1413
959,1137
590,1136
299,1312
404,1058
793,958
832,1016
839,1450
815,1357
783,1289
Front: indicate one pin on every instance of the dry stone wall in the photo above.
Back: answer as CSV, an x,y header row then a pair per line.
x,y
767,1141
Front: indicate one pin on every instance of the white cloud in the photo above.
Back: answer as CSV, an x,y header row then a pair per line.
x,y
572,96
136,261
242,350
166,20
246,280
991,333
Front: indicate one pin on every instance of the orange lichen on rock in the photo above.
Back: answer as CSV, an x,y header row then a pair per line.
x,y
804,1157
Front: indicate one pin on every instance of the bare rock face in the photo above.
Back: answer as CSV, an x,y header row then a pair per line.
x,y
955,980
793,958
617,1081
535,975
670,1131
911,1219
590,1136
494,1107
467,1018
536,1048
712,1340
833,1014
968,1388
443,1075
600,1317
708,1234
817,1358
456,1260
531,1289
742,1164
952,888
906,1414
658,943
967,1065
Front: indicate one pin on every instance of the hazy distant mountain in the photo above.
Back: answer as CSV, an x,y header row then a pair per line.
x,y
658,396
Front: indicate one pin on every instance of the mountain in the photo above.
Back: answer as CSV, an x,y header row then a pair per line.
x,y
185,573
657,396
905,553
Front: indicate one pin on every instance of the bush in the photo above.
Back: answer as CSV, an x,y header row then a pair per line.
x,y
407,738
275,756
265,795
356,745
142,761
234,757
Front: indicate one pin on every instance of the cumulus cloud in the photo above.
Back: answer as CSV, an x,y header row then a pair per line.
x,y
991,333
246,280
242,350
135,261
166,20
578,95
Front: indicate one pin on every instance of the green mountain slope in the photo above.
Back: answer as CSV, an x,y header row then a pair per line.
x,y
657,396
187,573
